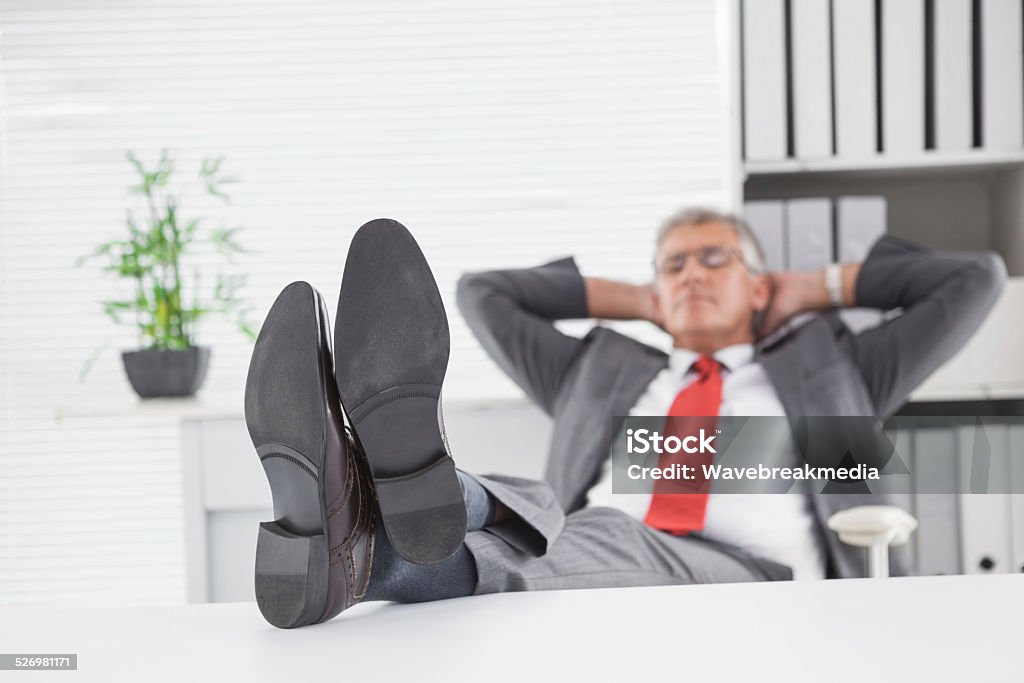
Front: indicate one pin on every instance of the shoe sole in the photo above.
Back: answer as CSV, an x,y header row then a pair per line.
x,y
296,438
392,338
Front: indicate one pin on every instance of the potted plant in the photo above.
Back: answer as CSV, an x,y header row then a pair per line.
x,y
162,306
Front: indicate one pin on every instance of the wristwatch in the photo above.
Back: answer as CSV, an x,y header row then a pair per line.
x,y
834,284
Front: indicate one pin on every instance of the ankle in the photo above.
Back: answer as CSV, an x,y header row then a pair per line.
x,y
481,506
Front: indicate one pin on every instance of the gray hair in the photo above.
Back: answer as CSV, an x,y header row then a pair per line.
x,y
753,254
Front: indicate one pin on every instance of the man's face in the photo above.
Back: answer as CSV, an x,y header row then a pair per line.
x,y
702,302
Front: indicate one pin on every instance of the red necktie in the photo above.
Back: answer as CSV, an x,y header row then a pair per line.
x,y
675,506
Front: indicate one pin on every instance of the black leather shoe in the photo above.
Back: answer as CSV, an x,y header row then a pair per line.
x,y
392,343
314,559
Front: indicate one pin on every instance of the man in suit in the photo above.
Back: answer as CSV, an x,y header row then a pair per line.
x,y
712,295
709,287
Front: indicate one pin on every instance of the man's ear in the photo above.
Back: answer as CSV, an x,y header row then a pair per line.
x,y
762,294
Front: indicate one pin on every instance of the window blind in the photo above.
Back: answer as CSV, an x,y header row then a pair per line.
x,y
502,133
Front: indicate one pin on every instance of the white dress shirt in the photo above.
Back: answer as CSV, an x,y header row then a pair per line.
x,y
777,526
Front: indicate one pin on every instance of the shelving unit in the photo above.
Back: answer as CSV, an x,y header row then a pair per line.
x,y
943,187
942,141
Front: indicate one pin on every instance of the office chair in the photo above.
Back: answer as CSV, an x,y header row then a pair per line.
x,y
874,527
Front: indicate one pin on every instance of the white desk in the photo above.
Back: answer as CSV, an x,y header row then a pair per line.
x,y
941,628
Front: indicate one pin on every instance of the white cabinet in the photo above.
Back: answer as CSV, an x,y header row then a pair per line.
x,y
227,495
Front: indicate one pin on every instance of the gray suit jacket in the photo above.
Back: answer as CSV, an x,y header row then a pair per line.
x,y
820,368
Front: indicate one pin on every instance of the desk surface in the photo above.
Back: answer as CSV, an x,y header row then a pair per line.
x,y
942,628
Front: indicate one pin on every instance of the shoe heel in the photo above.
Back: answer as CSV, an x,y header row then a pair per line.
x,y
291,576
424,512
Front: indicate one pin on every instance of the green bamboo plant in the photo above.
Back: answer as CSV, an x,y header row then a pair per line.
x,y
162,308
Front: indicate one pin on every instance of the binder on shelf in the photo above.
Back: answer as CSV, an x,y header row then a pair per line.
x,y
1017,498
934,467
903,95
985,516
1002,75
767,221
901,493
953,60
812,79
853,26
764,80
808,233
861,221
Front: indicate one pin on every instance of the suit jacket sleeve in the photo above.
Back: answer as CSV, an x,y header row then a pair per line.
x,y
944,297
511,312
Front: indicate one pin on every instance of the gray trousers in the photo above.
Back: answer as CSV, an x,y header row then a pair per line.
x,y
542,548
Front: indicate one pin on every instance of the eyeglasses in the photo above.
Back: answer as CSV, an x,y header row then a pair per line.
x,y
709,257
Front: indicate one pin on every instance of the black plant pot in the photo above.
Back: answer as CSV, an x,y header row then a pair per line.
x,y
177,372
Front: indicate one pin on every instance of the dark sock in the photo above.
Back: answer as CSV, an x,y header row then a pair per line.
x,y
393,578
479,503
398,580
